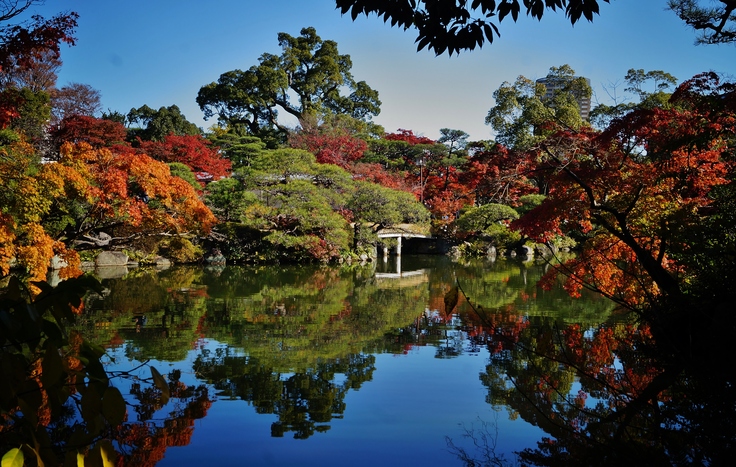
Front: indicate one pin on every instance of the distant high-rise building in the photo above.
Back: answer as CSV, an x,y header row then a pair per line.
x,y
556,84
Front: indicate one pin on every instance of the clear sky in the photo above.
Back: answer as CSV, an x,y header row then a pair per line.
x,y
161,52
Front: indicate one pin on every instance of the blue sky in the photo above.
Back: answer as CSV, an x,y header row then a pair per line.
x,y
161,52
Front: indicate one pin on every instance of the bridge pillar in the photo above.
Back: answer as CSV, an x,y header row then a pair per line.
x,y
398,246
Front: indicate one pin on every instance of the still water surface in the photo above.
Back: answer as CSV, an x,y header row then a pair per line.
x,y
328,366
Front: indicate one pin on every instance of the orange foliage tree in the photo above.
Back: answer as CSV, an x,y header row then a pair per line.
x,y
133,196
85,196
638,190
25,200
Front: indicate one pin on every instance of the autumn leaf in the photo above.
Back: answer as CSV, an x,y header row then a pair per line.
x,y
161,384
451,299
13,458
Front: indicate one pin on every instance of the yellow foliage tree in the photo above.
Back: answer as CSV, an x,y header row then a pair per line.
x,y
62,206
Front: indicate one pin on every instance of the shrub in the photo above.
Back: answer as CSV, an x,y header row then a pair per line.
x,y
181,250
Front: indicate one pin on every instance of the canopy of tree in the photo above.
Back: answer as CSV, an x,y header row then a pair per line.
x,y
456,25
158,124
524,109
128,197
194,151
29,62
715,24
449,25
304,208
20,44
642,191
652,88
74,99
309,68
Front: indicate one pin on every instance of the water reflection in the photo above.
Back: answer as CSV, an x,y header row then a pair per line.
x,y
143,440
292,318
297,343
607,394
305,402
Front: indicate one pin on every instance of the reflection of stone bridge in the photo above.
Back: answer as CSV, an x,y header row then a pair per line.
x,y
401,231
401,279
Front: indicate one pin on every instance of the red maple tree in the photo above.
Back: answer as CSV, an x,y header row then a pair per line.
x,y
636,189
408,136
23,44
96,132
192,150
330,146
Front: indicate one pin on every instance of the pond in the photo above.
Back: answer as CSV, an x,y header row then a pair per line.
x,y
371,365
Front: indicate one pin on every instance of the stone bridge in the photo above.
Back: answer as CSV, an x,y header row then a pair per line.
x,y
401,231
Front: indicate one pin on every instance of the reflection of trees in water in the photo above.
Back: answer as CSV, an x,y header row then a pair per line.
x,y
606,397
510,298
445,333
154,314
607,394
144,441
305,402
305,332
291,318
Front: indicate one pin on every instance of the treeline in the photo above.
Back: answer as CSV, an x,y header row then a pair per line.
x,y
634,183
150,183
